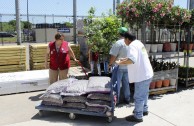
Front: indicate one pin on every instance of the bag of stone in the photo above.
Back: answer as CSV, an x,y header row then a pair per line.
x,y
107,108
99,102
77,99
48,103
60,85
74,105
99,84
52,98
95,109
77,88
99,96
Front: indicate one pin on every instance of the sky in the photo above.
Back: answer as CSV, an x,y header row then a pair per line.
x,y
60,7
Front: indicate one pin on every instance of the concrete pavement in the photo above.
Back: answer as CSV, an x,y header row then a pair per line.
x,y
172,109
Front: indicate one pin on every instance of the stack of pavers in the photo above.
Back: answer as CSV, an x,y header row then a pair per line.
x,y
93,95
12,58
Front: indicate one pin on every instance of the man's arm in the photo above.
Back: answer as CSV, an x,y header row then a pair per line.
x,y
124,61
112,60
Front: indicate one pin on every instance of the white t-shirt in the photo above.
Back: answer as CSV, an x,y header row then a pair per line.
x,y
141,68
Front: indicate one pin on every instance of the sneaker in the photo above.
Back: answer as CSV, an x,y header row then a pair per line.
x,y
144,113
132,118
126,102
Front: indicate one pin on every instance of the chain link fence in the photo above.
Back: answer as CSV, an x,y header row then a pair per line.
x,y
41,19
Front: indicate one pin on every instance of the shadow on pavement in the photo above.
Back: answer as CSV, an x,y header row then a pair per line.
x,y
81,120
35,98
180,89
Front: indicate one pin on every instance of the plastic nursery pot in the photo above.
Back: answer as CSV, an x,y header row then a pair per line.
x,y
165,83
172,82
153,48
159,47
159,84
190,46
148,46
193,47
173,47
152,85
166,47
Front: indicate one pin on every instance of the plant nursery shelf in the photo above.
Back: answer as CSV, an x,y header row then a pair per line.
x,y
163,53
190,83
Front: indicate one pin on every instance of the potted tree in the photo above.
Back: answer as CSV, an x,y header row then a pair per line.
x,y
101,33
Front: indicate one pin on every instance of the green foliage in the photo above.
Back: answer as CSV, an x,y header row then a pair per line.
x,y
102,32
13,24
26,25
69,25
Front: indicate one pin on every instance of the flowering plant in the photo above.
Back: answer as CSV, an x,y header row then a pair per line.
x,y
159,12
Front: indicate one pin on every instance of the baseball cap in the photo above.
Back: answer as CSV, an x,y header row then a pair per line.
x,y
122,30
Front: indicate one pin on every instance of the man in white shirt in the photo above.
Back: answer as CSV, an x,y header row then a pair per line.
x,y
140,72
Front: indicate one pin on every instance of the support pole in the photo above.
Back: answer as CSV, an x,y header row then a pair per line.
x,y
28,22
18,25
114,7
75,20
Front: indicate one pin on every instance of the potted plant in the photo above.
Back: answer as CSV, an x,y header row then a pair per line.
x,y
101,33
158,83
165,82
152,85
172,82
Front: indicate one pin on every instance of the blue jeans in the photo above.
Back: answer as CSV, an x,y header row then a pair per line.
x,y
141,97
122,76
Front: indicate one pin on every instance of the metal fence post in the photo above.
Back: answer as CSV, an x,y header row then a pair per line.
x,y
45,29
28,23
75,20
18,25
114,7
1,28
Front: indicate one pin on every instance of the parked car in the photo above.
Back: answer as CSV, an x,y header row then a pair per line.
x,y
6,34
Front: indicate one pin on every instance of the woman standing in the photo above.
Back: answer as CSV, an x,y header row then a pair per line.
x,y
59,52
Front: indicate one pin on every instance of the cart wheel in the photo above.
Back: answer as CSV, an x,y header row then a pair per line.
x,y
110,119
72,116
108,114
40,113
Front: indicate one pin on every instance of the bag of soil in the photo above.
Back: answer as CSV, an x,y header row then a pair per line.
x,y
99,96
53,98
74,105
77,99
77,88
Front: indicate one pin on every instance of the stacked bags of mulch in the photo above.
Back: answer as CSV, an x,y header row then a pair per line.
x,y
99,97
91,95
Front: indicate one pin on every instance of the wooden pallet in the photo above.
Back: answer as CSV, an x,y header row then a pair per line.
x,y
162,91
12,68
